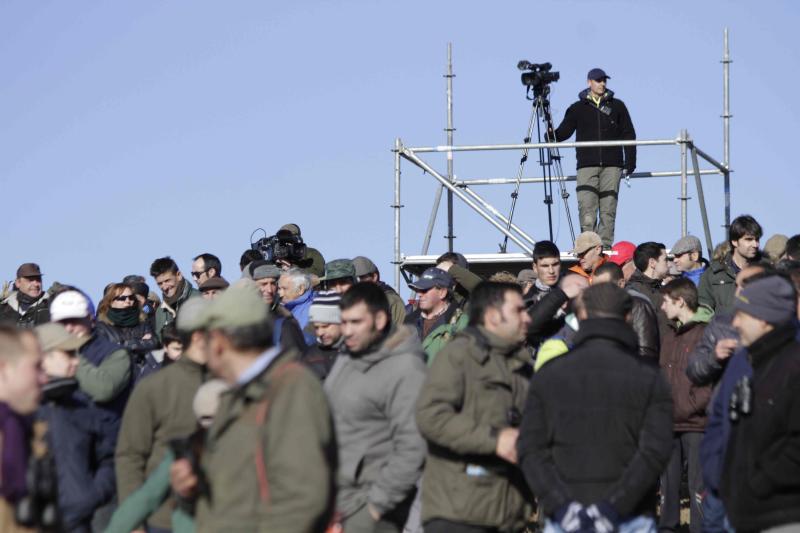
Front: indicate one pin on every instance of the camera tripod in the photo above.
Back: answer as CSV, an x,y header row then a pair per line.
x,y
549,160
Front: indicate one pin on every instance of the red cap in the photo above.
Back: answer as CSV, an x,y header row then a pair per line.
x,y
623,252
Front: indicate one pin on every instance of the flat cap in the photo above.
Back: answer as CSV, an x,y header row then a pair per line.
x,y
364,266
239,306
690,243
264,269
217,282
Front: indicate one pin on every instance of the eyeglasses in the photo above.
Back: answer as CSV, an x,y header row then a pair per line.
x,y
125,298
196,275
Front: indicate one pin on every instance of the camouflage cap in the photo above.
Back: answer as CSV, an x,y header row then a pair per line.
x,y
339,269
239,306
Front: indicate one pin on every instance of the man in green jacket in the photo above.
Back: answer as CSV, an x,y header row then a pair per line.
x,y
175,290
159,410
718,283
270,455
468,411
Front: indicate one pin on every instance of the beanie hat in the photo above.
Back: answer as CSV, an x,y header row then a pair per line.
x,y
325,308
771,299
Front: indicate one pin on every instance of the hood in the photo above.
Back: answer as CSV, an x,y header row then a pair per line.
x,y
612,329
584,95
400,340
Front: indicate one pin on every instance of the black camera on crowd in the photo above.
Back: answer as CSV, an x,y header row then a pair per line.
x,y
537,75
284,245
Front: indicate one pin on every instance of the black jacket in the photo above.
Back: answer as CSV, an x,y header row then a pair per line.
x,y
597,425
644,320
38,313
761,478
704,368
319,359
547,319
608,122
130,338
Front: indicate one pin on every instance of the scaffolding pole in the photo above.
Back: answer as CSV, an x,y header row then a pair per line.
x,y
450,131
635,175
536,146
398,146
726,127
684,198
411,156
701,198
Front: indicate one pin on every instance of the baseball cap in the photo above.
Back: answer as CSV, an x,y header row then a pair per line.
x,y
586,241
29,270
771,299
71,304
690,243
432,277
339,269
364,266
597,74
54,336
624,252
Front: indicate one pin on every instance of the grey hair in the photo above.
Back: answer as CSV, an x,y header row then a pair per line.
x,y
298,278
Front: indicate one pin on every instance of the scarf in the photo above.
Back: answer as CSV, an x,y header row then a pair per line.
x,y
26,301
124,318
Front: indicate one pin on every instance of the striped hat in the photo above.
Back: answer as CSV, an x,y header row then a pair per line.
x,y
325,308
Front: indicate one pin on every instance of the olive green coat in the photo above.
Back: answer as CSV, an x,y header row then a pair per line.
x,y
472,385
270,471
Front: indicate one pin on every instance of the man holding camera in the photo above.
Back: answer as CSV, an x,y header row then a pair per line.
x,y
598,116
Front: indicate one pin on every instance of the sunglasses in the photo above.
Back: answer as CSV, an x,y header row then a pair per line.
x,y
128,298
196,275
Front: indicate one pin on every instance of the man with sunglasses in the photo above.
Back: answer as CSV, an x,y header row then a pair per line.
x,y
204,267
27,306
688,258
589,252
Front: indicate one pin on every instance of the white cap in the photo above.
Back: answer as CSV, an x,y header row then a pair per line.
x,y
71,304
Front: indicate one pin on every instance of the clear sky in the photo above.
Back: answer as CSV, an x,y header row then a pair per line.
x,y
136,129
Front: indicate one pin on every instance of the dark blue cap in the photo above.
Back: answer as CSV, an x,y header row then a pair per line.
x,y
433,277
597,74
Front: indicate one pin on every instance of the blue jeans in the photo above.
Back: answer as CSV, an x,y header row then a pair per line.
x,y
715,520
640,524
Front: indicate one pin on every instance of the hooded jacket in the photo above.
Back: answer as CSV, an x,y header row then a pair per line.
x,y
689,400
37,313
608,121
761,478
475,381
372,397
597,424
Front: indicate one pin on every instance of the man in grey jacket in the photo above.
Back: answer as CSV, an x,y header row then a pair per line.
x,y
372,390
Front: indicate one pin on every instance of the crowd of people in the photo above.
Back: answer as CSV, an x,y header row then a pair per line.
x,y
307,396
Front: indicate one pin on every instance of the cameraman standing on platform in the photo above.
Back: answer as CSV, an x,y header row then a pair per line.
x,y
598,116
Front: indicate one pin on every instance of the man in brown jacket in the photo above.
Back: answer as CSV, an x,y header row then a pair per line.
x,y
269,458
687,323
468,411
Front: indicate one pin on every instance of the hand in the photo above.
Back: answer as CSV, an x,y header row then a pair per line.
x,y
725,348
507,445
147,336
182,479
373,512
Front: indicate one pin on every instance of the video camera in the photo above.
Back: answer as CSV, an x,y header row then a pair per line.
x,y
537,76
284,246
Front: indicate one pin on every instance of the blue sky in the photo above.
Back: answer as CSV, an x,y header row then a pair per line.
x,y
133,130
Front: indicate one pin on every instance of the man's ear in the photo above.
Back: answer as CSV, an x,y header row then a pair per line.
x,y
381,320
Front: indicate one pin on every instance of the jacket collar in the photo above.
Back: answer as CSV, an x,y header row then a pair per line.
x,y
583,96
13,302
398,340
638,276
613,329
300,300
768,345
490,343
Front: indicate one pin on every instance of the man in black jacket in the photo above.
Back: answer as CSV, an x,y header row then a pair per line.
x,y
598,116
597,427
27,306
761,475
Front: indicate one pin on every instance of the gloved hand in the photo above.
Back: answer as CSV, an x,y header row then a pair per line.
x,y
627,175
569,517
602,517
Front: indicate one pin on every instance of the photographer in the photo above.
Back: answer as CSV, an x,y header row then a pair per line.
x,y
311,259
598,116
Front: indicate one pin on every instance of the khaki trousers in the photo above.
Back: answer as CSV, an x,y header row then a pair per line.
x,y
598,190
